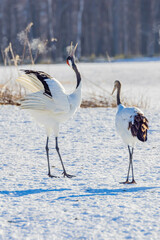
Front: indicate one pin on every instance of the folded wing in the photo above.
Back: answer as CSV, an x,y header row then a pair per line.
x,y
133,120
139,127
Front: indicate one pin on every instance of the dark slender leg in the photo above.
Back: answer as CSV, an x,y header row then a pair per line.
x,y
47,153
127,180
129,163
64,171
133,181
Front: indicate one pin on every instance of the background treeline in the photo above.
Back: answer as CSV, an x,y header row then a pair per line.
x,y
115,28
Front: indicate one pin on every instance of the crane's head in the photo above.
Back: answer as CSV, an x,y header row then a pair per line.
x,y
70,58
117,84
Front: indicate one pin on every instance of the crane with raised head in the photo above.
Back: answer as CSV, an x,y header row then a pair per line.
x,y
49,104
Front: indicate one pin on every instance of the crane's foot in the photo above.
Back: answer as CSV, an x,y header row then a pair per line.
x,y
133,182
67,175
52,176
126,182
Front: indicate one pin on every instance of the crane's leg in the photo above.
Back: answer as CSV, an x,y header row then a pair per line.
x,y
47,153
133,181
64,171
127,180
129,163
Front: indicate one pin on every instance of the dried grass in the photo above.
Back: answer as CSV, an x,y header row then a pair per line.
x,y
8,98
99,101
104,102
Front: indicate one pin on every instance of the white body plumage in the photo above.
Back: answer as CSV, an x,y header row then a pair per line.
x,y
124,116
49,111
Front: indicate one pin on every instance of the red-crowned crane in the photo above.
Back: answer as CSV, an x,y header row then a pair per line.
x,y
131,125
49,104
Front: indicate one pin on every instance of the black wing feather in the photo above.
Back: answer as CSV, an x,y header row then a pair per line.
x,y
41,76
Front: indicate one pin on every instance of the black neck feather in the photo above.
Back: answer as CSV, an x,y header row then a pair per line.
x,y
118,94
77,74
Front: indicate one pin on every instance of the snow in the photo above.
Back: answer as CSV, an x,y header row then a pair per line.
x,y
93,205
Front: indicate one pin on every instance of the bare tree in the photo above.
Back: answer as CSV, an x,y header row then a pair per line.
x,y
79,27
125,26
118,27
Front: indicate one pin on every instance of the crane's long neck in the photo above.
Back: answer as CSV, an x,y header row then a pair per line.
x,y
75,97
77,74
118,94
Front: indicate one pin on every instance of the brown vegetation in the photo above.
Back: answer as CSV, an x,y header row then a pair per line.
x,y
8,98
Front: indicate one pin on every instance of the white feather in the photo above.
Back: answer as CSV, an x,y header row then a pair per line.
x,y
30,82
48,110
123,117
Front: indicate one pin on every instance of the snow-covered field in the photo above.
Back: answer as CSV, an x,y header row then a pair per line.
x,y
93,205
140,80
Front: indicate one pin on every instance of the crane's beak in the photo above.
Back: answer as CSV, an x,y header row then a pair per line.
x,y
72,50
113,90
75,48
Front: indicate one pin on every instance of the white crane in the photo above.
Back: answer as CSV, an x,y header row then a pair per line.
x,y
49,104
131,125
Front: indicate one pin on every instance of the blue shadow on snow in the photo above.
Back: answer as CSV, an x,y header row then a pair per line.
x,y
119,190
88,192
105,192
20,193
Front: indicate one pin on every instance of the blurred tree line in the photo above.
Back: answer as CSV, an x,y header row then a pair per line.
x,y
101,27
